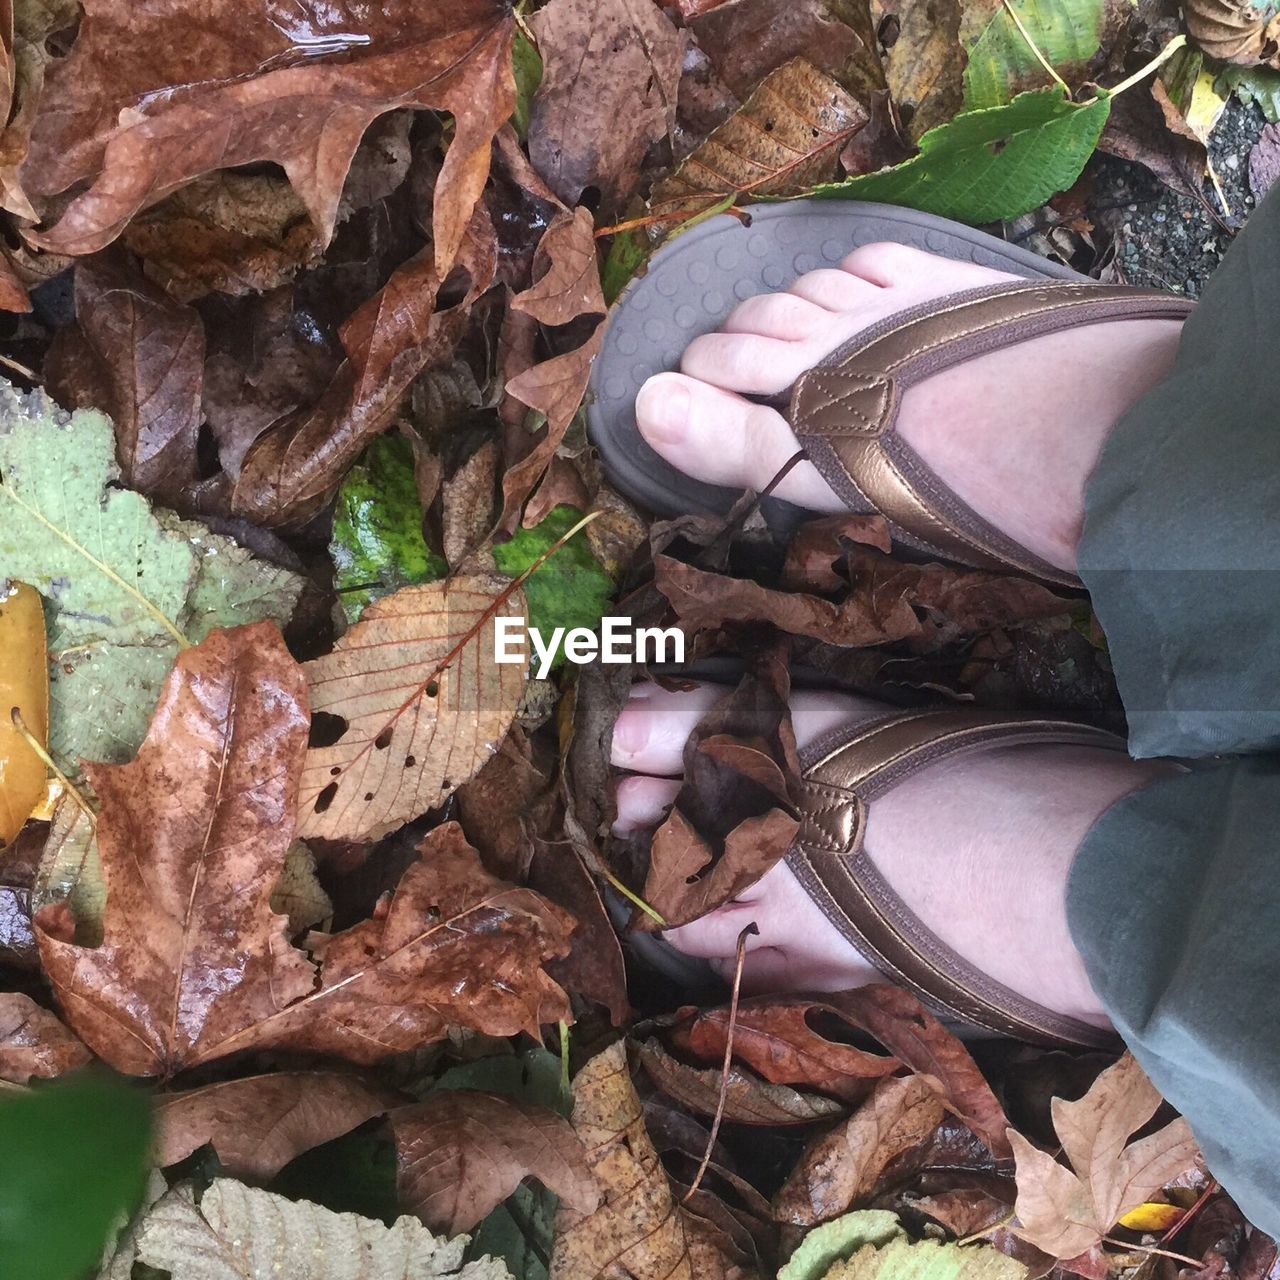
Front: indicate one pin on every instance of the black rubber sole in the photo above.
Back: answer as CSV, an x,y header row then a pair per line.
x,y
696,279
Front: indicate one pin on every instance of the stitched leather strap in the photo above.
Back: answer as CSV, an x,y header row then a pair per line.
x,y
844,773
844,410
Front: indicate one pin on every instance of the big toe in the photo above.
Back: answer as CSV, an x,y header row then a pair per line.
x,y
722,439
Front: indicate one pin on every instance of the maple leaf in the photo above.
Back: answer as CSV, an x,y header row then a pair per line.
x,y
1066,1211
124,114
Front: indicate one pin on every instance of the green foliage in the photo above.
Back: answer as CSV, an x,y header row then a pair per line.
x,y
628,252
991,164
74,1162
570,589
1254,84
1001,63
355,1173
377,545
124,586
527,66
840,1238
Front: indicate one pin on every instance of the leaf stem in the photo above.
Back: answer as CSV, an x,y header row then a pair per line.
x,y
986,1231
566,1091
631,896
67,785
1035,49
1153,1251
1154,65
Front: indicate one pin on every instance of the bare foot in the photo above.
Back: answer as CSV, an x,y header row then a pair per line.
x,y
1015,433
978,846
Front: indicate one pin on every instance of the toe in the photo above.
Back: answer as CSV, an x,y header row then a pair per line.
x,y
777,315
887,263
745,362
650,733
643,802
722,439
833,290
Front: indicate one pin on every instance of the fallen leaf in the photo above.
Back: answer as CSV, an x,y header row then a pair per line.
x,y
236,1231
785,138
924,64
125,587
257,1124
1151,1217
841,1167
1188,96
1235,31
124,115
138,356
1264,162
610,70
461,1153
928,1260
33,1042
189,870
298,893
24,687
1066,1211
838,1239
422,700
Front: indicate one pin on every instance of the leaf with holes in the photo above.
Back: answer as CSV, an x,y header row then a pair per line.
x,y
419,699
991,164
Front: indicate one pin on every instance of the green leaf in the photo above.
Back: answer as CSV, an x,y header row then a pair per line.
x,y
1254,84
987,165
74,1160
124,586
570,589
628,252
355,1173
527,66
840,1238
1001,63
377,545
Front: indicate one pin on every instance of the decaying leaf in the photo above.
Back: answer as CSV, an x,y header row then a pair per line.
x,y
126,587
608,91
24,687
924,66
785,138
924,1259
462,1153
33,1042
422,700
237,1232
838,1239
1235,31
257,1124
842,1166
1066,1211
124,113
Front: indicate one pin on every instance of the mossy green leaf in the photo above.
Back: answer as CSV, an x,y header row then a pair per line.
x,y
527,67
377,545
1067,32
570,588
124,587
1254,84
75,1157
840,1238
992,164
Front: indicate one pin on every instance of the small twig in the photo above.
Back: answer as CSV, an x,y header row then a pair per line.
x,y
68,786
1190,1213
679,215
29,374
565,1090
1031,44
631,896
986,1231
1217,186
728,1058
1153,1250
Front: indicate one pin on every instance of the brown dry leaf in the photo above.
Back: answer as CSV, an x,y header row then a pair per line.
x,y
781,1039
748,1099
1264,162
818,546
259,1123
13,292
1235,31
33,1042
785,138
292,469
24,687
461,1153
842,1166
423,703
192,837
610,73
126,114
1066,1211
924,64
567,287
137,355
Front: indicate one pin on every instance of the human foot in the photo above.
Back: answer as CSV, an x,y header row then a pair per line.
x,y
1014,433
977,846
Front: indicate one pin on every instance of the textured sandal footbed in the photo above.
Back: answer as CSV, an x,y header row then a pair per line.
x,y
696,279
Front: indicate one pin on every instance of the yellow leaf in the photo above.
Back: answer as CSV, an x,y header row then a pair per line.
x,y
1151,1217
24,685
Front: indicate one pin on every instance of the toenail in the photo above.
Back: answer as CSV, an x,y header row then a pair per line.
x,y
630,732
665,410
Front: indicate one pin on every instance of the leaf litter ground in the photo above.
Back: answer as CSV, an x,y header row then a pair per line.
x,y
295,401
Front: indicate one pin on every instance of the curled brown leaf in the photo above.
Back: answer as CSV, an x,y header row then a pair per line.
x,y
33,1042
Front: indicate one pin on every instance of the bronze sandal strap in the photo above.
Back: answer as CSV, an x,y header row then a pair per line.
x,y
843,774
844,410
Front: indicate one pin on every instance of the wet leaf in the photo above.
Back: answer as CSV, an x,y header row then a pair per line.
x,y
33,1042
924,65
1067,1210
257,1124
24,687
1255,84
126,587
1235,31
299,91
236,1231
422,700
462,1153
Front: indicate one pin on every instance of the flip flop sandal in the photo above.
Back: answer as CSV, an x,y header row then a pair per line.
x,y
844,773
843,410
